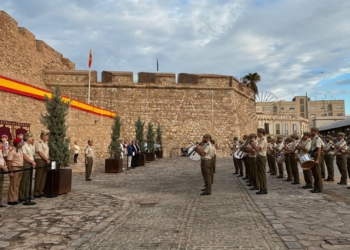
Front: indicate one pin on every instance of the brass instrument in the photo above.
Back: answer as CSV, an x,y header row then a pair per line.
x,y
340,148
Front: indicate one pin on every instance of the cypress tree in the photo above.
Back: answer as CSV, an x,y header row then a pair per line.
x,y
159,138
114,147
55,122
150,138
139,128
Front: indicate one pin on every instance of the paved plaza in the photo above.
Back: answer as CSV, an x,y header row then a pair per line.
x,y
159,207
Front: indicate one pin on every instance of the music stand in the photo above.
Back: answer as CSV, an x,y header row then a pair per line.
x,y
53,167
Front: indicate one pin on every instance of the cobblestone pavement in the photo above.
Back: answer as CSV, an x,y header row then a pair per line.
x,y
159,207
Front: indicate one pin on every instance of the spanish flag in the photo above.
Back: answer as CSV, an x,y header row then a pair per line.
x,y
90,58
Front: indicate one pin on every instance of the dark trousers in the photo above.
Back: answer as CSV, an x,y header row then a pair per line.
x,y
294,167
341,163
348,164
235,164
329,160
261,172
272,165
252,172
246,165
206,173
88,167
322,167
40,176
280,169
133,161
75,158
240,166
288,167
212,167
1,185
316,172
25,181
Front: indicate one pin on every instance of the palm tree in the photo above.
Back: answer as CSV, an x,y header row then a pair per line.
x,y
251,80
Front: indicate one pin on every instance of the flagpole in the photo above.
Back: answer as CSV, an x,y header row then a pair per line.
x,y
89,86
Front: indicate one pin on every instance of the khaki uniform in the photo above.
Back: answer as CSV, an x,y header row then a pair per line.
x,y
261,163
2,162
294,163
29,151
41,167
90,161
329,159
16,159
341,161
279,147
316,169
251,158
307,173
288,165
271,159
206,166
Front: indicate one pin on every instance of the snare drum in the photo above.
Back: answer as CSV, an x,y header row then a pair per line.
x,y
192,154
306,162
280,157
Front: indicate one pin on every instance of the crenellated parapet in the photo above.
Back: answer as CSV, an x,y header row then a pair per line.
x,y
157,78
117,77
70,76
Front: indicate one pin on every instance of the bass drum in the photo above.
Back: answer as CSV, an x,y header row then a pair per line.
x,y
280,158
306,162
239,154
193,155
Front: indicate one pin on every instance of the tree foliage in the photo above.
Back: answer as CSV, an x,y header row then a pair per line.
x,y
251,81
114,148
139,128
150,137
55,122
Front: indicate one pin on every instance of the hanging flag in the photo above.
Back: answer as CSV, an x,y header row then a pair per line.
x,y
157,64
90,58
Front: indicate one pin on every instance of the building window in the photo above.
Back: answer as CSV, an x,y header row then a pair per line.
x,y
312,107
278,129
312,116
266,109
291,108
294,128
339,107
282,108
340,114
286,129
267,128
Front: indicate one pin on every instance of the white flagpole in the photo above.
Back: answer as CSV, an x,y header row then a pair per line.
x,y
89,86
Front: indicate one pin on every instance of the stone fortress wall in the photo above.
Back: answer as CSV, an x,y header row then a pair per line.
x,y
186,109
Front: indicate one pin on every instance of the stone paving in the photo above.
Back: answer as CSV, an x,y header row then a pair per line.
x,y
159,207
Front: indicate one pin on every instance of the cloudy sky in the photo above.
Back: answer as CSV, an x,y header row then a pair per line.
x,y
297,46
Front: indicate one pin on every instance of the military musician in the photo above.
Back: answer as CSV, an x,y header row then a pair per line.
x,y
340,147
329,157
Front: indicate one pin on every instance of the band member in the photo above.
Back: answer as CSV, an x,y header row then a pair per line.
x,y
340,147
261,160
269,153
15,162
293,160
246,161
273,159
304,149
89,160
278,148
234,147
316,146
329,157
206,155
253,182
41,160
286,152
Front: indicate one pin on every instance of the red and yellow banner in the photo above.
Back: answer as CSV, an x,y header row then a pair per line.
x,y
25,89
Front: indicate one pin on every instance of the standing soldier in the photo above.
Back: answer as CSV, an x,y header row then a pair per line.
x,y
322,165
246,160
253,180
269,153
304,148
278,148
89,160
340,147
41,160
316,146
286,151
3,168
293,160
261,160
206,155
28,157
273,159
329,157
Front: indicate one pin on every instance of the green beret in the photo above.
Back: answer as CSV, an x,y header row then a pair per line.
x,y
273,139
287,139
235,138
315,129
329,136
261,130
212,141
294,136
207,136
268,137
241,142
341,134
279,137
252,135
307,133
